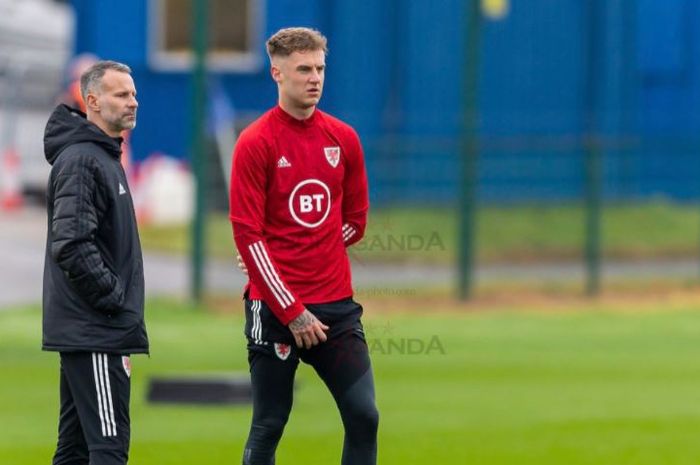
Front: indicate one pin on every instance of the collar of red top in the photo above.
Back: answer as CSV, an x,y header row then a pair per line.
x,y
289,119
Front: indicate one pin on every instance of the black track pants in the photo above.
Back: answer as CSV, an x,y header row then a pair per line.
x,y
94,426
343,364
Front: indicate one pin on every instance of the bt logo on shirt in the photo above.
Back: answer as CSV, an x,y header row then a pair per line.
x,y
310,203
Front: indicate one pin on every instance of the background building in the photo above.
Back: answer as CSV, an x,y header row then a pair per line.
x,y
35,45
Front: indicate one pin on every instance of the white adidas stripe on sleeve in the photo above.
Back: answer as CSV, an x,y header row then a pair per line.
x,y
348,232
275,276
263,272
272,279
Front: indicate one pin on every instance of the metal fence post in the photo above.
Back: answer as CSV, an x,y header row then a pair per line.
x,y
198,149
593,154
469,149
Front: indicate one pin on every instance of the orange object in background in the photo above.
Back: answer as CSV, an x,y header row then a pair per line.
x,y
10,188
76,96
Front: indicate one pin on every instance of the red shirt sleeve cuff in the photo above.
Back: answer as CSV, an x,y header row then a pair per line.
x,y
292,312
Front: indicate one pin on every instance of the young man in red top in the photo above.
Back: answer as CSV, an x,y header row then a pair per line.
x,y
298,199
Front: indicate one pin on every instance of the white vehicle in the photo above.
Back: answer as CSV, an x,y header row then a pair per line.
x,y
35,44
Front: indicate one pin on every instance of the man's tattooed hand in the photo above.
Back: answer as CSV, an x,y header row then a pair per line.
x,y
307,330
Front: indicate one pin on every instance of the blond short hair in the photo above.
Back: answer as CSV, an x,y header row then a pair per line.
x,y
295,39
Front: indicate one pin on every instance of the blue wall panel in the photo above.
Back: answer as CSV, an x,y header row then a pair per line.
x,y
668,65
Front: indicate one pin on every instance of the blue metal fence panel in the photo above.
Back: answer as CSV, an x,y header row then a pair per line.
x,y
532,102
669,73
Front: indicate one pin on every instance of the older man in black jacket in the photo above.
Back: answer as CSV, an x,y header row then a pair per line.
x,y
93,273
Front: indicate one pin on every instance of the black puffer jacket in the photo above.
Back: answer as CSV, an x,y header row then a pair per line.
x,y
93,270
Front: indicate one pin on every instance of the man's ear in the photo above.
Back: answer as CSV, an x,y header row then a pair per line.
x,y
276,71
91,102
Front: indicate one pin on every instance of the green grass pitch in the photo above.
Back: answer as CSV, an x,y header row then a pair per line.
x,y
501,387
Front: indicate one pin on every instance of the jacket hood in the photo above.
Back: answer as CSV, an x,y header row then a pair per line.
x,y
68,126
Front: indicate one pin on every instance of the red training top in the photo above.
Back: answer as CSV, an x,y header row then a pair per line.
x,y
298,199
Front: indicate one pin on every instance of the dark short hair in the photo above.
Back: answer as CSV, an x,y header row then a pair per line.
x,y
295,39
92,78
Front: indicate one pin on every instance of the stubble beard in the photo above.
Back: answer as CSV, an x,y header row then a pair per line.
x,y
129,125
123,124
